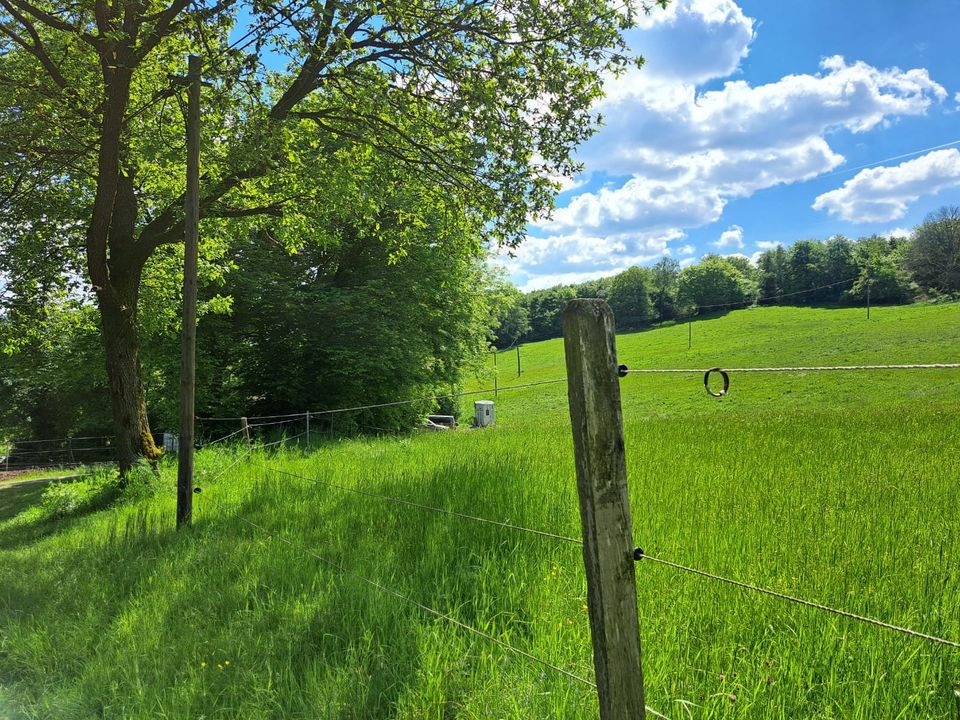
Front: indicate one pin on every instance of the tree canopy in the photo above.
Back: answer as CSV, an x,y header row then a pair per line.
x,y
478,104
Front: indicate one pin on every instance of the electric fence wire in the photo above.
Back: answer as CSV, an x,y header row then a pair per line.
x,y
808,368
427,609
62,451
63,439
419,506
774,297
640,555
396,403
223,438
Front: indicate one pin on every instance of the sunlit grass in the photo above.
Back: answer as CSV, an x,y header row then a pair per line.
x,y
841,488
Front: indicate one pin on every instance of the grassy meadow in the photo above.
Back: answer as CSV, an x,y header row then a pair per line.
x,y
843,488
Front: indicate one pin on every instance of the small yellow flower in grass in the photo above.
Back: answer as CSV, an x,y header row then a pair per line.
x,y
203,664
219,666
226,662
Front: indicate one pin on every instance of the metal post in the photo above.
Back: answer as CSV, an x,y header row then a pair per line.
x,y
188,368
518,361
689,332
593,388
869,283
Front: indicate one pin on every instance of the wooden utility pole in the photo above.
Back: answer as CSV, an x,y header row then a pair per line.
x,y
593,388
869,283
496,373
518,361
188,366
689,332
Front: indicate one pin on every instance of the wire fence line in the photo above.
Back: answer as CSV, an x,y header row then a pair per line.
x,y
430,610
639,555
290,417
393,403
754,301
419,506
61,440
60,451
800,368
275,420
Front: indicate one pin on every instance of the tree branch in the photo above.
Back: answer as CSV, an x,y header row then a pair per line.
x,y
35,48
52,21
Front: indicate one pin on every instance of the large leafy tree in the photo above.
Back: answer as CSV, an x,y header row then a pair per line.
x,y
485,100
663,283
714,282
933,256
629,297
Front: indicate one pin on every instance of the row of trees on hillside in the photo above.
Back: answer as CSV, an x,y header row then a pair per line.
x,y
810,272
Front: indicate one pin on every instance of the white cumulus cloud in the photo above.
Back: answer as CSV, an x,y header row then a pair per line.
x,y
882,194
679,155
731,237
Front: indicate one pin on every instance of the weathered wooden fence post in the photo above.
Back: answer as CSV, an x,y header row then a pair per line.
x,y
308,428
593,387
245,426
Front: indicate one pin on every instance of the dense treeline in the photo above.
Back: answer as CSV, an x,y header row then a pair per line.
x,y
451,108
350,321
810,272
356,320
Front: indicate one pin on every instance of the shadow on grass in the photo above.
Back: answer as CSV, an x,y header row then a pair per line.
x,y
26,531
14,499
229,588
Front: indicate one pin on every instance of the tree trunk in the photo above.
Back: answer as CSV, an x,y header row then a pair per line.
x,y
118,312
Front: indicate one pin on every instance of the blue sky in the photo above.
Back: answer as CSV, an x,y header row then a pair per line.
x,y
756,122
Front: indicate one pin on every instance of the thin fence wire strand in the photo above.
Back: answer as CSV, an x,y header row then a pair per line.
x,y
426,608
395,403
577,541
428,508
289,419
225,437
809,368
747,303
806,603
64,439
282,440
637,371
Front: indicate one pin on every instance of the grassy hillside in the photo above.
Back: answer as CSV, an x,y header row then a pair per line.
x,y
840,488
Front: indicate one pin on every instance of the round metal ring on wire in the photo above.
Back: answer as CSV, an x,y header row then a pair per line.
x,y
726,382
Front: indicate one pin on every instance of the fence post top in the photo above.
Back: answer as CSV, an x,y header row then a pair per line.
x,y
581,305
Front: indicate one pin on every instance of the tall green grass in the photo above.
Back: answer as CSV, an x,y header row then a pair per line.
x,y
841,488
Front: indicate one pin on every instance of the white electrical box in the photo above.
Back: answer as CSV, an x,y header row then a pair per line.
x,y
484,413
171,443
